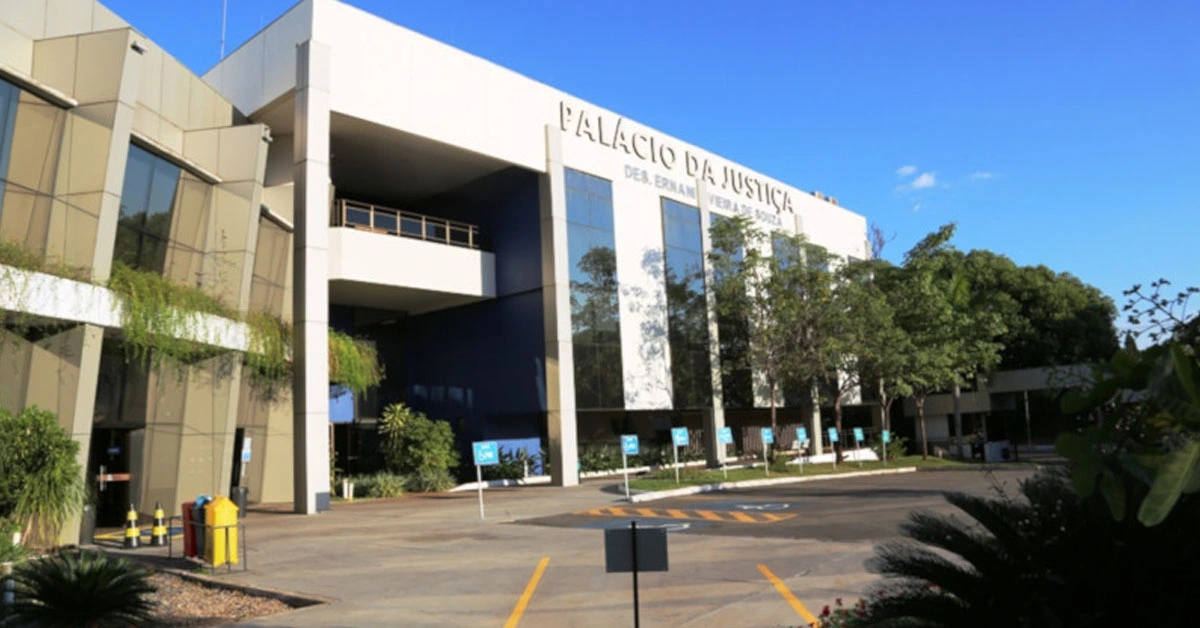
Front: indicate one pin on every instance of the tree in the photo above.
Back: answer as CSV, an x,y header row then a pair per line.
x,y
41,483
978,323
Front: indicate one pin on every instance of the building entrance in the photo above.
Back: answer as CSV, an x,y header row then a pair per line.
x,y
109,475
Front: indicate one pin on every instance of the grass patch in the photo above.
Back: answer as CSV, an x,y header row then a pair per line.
x,y
665,479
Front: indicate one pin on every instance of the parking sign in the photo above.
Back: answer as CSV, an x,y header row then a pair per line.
x,y
887,436
801,434
486,452
833,435
679,436
768,436
858,434
629,444
725,436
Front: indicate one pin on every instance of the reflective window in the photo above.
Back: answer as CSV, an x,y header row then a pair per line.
x,y
9,95
733,331
595,316
144,226
267,285
687,313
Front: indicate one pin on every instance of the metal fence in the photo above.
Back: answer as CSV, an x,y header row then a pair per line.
x,y
405,224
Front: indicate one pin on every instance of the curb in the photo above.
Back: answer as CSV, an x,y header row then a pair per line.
x,y
295,600
531,480
725,486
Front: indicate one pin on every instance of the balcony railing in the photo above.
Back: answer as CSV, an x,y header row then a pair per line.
x,y
397,222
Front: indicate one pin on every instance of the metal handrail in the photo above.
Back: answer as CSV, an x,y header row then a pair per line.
x,y
397,222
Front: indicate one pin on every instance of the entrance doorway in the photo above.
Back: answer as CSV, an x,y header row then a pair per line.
x,y
109,475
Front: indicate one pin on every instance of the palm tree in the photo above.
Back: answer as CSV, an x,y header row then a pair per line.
x,y
85,589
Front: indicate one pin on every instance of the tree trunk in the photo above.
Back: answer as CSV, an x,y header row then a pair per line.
x,y
958,433
920,399
837,421
774,422
885,405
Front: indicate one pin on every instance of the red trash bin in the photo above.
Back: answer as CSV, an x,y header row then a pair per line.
x,y
189,531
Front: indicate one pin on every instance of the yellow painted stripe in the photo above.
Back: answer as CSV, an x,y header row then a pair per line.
x,y
519,609
743,517
710,515
787,595
620,512
646,512
677,514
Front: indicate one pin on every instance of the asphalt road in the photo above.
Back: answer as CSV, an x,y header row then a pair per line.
x,y
855,509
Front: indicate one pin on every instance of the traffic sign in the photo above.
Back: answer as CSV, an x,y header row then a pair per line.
x,y
486,452
725,436
858,434
801,434
679,436
887,436
833,435
629,444
768,436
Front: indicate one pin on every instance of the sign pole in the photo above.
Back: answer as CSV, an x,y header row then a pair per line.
x,y
637,621
675,453
479,484
766,465
625,468
800,446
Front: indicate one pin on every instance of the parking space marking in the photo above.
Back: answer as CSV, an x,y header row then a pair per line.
x,y
722,516
789,596
519,610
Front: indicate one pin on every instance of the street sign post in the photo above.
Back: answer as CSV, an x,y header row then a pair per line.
x,y
486,452
633,551
833,439
858,439
629,447
768,437
886,436
679,438
801,444
724,439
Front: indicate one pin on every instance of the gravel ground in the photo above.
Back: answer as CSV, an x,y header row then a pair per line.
x,y
187,603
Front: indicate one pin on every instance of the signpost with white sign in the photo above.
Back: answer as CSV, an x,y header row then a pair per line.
x,y
724,438
801,444
679,438
768,437
629,447
886,436
833,439
858,439
486,452
633,551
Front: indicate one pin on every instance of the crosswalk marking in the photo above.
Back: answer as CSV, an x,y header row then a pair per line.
x,y
720,516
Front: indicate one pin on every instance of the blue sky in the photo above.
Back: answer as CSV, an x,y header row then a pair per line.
x,y
1065,133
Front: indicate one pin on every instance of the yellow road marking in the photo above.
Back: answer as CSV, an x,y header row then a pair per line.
x,y
519,609
710,515
620,512
647,512
787,595
743,517
678,514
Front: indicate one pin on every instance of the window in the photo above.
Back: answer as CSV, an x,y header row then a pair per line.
x,y
737,390
267,285
9,95
143,228
595,314
687,311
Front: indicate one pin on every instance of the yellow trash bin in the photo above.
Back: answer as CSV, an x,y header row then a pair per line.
x,y
221,544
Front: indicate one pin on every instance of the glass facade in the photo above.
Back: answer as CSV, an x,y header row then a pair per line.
x,y
146,200
268,285
687,313
736,376
8,118
595,315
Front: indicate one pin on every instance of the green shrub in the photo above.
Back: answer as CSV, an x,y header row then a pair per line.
x,y
600,458
41,484
84,589
511,467
353,363
430,480
386,485
10,552
413,442
897,448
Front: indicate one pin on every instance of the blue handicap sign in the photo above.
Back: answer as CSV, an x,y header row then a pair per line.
x,y
768,436
486,452
801,434
679,436
629,444
858,434
887,436
833,435
725,436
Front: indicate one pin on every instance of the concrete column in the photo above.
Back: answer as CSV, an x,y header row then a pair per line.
x,y
85,410
714,420
556,304
310,300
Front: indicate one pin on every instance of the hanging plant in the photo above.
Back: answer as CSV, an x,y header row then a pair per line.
x,y
157,314
270,352
353,363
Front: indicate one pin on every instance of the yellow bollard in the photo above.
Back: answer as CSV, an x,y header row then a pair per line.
x,y
133,534
221,542
158,535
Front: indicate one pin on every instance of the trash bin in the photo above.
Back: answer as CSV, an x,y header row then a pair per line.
x,y
221,539
199,532
189,530
239,495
